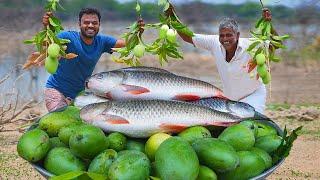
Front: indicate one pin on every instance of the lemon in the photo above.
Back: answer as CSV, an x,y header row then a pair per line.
x,y
153,143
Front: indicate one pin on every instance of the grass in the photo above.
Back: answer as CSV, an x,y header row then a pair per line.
x,y
280,106
300,174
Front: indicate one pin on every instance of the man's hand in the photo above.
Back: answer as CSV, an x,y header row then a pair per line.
x,y
141,25
266,14
250,66
45,18
170,11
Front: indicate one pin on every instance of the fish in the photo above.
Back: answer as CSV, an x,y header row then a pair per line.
x,y
143,118
88,98
145,68
240,109
131,83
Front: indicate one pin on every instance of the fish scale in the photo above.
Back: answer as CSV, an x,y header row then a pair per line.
x,y
149,84
142,118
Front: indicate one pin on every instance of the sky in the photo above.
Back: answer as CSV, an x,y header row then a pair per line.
x,y
290,3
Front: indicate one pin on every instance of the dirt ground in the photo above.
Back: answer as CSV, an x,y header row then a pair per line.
x,y
291,84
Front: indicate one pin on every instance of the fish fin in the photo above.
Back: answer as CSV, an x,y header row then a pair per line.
x,y
173,127
223,124
186,97
134,89
220,94
108,95
112,119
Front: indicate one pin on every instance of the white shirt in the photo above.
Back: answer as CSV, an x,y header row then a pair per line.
x,y
234,75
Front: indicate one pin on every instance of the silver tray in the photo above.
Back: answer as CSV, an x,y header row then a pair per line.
x,y
262,176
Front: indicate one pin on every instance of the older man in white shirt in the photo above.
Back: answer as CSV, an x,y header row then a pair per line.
x,y
231,59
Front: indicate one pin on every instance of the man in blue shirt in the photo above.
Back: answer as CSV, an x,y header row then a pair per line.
x,y
69,79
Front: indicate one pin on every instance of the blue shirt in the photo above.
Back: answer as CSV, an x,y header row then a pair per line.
x,y
71,74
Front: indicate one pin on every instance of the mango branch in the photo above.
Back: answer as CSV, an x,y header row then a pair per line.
x,y
50,48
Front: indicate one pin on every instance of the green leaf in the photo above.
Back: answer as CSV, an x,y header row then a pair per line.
x,y
54,6
286,145
70,175
133,26
253,45
275,58
162,2
259,22
154,178
186,31
162,19
52,23
281,38
277,44
64,41
259,50
29,41
166,7
177,25
138,8
96,176
132,42
255,34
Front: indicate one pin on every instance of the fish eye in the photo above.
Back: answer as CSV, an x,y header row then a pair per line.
x,y
99,76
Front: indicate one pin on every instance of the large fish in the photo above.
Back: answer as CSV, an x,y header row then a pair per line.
x,y
239,109
87,98
149,83
142,118
145,68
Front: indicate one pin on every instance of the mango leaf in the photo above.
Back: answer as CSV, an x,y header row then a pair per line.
x,y
259,50
253,45
286,144
162,2
278,45
138,8
275,58
64,41
166,7
70,175
186,31
259,22
96,176
177,25
162,19
133,26
29,41
281,38
154,178
51,21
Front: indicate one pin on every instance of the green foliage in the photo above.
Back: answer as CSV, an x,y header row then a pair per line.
x,y
286,144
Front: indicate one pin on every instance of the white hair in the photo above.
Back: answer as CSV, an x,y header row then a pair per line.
x,y
229,23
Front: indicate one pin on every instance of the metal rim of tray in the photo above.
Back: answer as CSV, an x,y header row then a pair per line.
x,y
262,176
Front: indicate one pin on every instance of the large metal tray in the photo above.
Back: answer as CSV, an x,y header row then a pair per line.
x,y
264,175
